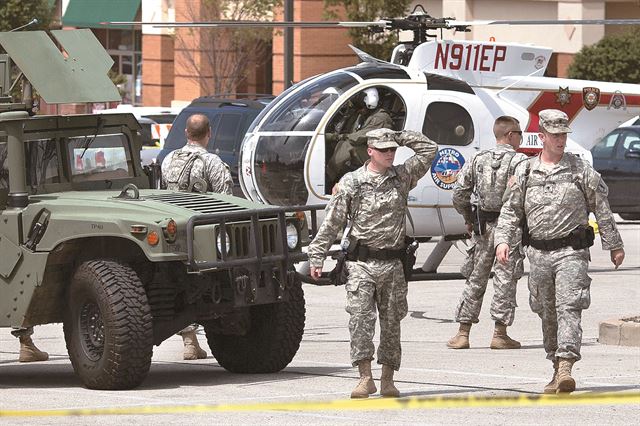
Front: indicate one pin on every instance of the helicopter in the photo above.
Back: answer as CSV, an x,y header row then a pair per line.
x,y
450,90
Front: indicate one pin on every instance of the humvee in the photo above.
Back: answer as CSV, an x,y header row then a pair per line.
x,y
86,242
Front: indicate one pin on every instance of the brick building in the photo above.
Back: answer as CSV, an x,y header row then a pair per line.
x,y
157,70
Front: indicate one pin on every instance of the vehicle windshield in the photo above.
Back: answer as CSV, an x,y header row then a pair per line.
x,y
103,157
303,110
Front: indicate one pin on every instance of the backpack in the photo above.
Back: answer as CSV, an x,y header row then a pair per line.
x,y
178,176
488,188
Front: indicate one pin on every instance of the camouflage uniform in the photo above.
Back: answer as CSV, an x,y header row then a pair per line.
x,y
554,205
378,223
351,151
212,170
208,167
481,253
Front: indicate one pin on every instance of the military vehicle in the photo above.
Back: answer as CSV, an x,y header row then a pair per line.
x,y
86,242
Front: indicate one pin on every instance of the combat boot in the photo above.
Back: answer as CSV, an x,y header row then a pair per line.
x,y
552,386
566,384
387,388
500,339
460,340
192,349
365,385
29,352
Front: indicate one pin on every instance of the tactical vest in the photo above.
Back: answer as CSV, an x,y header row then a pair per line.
x,y
489,188
178,177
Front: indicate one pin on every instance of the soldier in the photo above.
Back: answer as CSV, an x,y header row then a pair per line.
x,y
374,200
351,150
193,168
555,191
28,350
486,176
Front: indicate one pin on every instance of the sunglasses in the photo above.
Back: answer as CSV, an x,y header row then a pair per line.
x,y
386,149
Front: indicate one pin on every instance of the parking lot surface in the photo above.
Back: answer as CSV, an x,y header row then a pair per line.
x,y
481,385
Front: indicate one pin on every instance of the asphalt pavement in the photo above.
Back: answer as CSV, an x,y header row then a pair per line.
x,y
438,385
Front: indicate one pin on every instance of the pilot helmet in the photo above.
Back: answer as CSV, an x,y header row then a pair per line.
x,y
331,93
371,98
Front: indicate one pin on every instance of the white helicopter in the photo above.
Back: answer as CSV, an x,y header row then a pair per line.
x,y
452,91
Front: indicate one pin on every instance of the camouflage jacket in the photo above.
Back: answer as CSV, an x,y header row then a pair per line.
x,y
555,204
376,120
212,170
486,176
380,219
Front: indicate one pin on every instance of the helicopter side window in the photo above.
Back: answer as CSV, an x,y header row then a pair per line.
x,y
345,134
448,124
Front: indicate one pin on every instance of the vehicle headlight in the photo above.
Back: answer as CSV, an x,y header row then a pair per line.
x,y
293,236
227,242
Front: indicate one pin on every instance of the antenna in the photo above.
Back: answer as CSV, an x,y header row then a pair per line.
x,y
28,24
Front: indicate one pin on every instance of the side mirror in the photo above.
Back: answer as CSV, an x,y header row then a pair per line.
x,y
633,151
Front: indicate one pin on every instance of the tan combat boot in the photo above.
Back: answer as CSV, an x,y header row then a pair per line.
x,y
29,352
387,388
552,386
365,385
192,349
460,340
501,340
566,384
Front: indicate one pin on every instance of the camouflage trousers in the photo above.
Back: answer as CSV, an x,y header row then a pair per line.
x,y
477,268
22,331
376,284
558,292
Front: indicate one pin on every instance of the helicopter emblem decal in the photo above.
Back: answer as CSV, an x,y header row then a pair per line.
x,y
445,167
590,97
563,96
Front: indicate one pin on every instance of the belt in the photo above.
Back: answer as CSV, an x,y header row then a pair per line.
x,y
364,253
554,244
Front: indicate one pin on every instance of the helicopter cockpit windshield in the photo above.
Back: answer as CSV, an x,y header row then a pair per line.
x,y
280,153
304,109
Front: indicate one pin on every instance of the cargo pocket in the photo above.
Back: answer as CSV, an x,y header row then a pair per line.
x,y
352,281
467,265
583,295
518,269
534,296
400,290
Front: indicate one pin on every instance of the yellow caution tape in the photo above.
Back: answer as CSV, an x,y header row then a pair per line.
x,y
372,404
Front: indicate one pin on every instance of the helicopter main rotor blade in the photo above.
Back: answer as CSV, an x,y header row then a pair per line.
x,y
454,23
253,24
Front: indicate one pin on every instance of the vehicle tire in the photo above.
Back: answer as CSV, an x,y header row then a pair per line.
x,y
108,326
630,216
272,341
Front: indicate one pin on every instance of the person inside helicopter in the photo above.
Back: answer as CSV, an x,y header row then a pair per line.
x,y
346,139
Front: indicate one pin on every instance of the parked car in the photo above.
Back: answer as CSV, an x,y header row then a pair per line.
x,y
617,158
229,118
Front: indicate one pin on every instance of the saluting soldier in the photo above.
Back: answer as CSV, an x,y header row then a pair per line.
x,y
555,191
486,177
193,169
373,199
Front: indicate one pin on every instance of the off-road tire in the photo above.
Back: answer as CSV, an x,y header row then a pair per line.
x,y
272,341
108,297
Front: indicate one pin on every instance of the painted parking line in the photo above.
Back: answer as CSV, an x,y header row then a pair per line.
x,y
369,404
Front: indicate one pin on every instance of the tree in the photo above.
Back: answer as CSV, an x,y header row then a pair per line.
x,y
614,58
224,56
15,13
379,45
